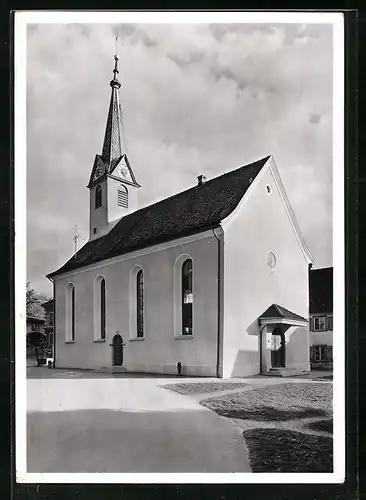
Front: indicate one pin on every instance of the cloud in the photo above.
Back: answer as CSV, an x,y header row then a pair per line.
x,y
196,99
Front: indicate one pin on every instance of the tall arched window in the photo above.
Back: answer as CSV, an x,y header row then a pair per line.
x,y
136,303
70,313
102,309
98,196
187,297
140,303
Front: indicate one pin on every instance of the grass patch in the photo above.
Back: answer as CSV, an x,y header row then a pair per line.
x,y
203,387
275,402
277,450
322,425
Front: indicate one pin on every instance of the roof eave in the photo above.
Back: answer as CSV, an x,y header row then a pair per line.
x,y
59,272
283,321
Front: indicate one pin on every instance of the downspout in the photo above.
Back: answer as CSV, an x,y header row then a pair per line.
x,y
54,322
220,302
309,318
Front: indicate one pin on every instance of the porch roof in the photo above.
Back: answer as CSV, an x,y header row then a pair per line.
x,y
279,314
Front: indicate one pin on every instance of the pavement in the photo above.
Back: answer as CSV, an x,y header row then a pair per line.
x,y
124,424
81,421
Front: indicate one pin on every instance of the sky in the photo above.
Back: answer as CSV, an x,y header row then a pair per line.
x,y
196,99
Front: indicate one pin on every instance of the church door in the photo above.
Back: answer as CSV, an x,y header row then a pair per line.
x,y
278,349
117,350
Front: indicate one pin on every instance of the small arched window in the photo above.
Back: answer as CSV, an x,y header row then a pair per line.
x,y
70,313
140,303
187,297
102,309
98,196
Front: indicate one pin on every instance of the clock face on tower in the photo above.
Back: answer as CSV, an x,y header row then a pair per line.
x,y
123,172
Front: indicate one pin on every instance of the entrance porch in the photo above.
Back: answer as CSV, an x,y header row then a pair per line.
x,y
284,342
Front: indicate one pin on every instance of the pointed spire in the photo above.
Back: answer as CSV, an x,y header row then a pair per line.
x,y
112,145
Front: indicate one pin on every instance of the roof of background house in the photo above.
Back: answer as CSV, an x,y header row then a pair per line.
x,y
321,290
34,320
47,304
276,311
194,210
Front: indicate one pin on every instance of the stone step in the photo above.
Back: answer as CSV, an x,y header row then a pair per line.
x,y
110,369
119,369
284,372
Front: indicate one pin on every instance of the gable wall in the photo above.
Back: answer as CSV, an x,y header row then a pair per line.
x,y
261,224
160,350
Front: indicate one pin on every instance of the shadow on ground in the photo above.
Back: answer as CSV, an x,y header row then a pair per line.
x,y
129,441
321,425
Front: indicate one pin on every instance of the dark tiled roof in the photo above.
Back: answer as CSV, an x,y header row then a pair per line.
x,y
194,210
276,311
48,304
30,319
321,290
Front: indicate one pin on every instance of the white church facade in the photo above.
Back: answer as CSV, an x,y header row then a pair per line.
x,y
212,281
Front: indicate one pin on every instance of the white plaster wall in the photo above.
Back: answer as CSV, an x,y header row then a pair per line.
x,y
98,217
260,225
321,338
160,350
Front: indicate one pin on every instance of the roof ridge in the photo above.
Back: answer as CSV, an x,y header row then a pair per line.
x,y
207,182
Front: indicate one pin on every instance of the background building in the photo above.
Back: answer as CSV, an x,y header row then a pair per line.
x,y
321,318
48,324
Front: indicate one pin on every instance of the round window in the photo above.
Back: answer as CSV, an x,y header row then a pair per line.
x,y
271,259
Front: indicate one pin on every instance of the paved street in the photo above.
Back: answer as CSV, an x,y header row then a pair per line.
x,y
80,422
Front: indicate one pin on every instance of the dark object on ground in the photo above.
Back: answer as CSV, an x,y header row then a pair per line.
x,y
322,425
277,450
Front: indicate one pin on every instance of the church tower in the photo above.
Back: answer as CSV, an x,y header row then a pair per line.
x,y
113,187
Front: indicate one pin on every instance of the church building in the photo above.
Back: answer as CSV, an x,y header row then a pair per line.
x,y
212,281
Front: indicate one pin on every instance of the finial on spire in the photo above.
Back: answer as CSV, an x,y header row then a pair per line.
x,y
115,82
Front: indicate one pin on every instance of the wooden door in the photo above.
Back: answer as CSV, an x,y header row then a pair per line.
x,y
117,350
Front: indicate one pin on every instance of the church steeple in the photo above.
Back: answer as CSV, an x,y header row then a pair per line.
x,y
112,145
112,183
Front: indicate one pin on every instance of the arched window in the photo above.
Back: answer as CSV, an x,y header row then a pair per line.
x,y
122,194
70,313
140,303
187,297
98,196
100,309
136,303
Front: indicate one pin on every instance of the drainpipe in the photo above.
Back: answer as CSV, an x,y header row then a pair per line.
x,y
309,311
54,322
220,302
